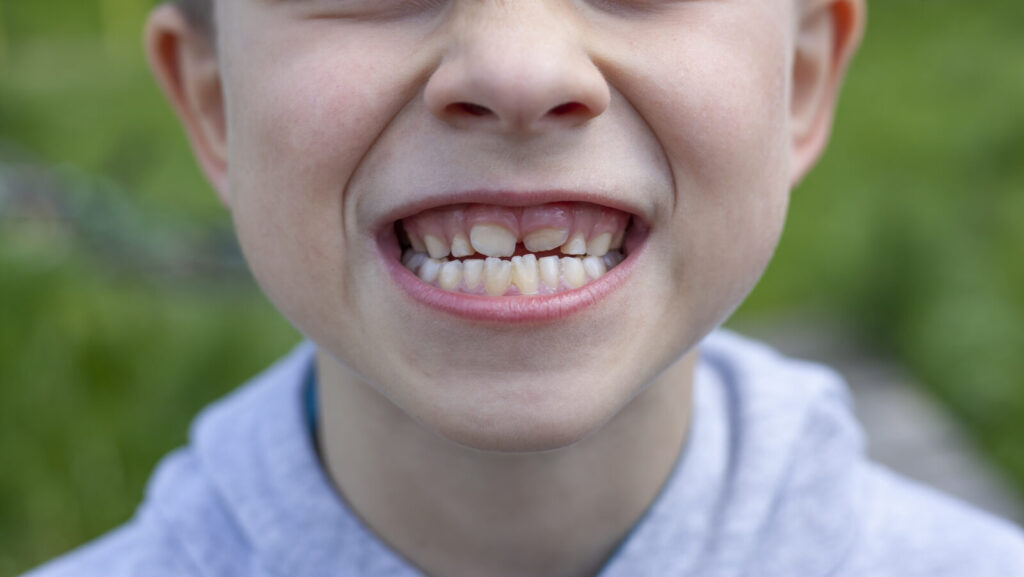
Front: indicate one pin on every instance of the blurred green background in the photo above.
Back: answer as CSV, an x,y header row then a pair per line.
x,y
124,307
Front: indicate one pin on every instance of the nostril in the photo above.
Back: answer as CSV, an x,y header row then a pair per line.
x,y
568,109
469,108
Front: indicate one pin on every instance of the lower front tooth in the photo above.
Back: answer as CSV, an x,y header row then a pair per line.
x,y
594,267
549,271
473,273
573,273
451,275
497,276
525,275
430,269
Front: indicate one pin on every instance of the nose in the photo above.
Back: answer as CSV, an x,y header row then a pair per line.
x,y
510,73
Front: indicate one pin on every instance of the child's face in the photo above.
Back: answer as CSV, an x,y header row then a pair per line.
x,y
344,117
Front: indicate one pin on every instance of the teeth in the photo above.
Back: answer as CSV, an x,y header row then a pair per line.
x,y
493,240
545,239
576,245
573,273
461,246
430,269
594,267
599,245
413,260
549,271
497,276
451,275
473,273
417,244
525,275
617,240
612,259
436,247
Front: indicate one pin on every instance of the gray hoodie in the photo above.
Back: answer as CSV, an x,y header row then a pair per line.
x,y
772,483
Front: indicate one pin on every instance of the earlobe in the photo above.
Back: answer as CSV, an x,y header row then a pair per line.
x,y
828,34
184,62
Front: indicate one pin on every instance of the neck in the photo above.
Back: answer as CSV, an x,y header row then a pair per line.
x,y
456,511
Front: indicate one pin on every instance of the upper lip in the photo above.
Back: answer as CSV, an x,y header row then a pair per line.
x,y
510,198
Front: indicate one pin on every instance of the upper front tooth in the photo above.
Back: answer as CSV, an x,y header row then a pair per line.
x,y
598,246
576,245
436,247
493,240
497,276
461,246
525,275
545,239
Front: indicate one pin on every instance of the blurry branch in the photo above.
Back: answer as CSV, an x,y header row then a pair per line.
x,y
84,213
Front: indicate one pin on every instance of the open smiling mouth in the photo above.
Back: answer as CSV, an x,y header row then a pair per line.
x,y
495,251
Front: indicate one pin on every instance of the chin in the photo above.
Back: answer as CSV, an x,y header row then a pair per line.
x,y
516,417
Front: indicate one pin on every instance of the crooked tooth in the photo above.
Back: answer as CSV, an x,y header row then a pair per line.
x,y
594,267
461,246
412,260
430,269
572,272
473,273
545,239
549,271
436,247
599,245
451,275
576,245
492,240
497,276
525,275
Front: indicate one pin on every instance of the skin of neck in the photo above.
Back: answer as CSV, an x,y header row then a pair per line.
x,y
455,511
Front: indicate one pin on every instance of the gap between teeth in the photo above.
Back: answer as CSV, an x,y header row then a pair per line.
x,y
522,275
495,240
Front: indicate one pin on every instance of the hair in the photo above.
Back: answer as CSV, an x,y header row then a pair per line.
x,y
199,14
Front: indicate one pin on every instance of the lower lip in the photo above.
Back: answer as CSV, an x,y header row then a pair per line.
x,y
514,309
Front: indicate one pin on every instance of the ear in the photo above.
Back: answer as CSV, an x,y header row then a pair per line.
x,y
184,61
828,34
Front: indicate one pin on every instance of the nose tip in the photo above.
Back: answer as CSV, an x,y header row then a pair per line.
x,y
521,90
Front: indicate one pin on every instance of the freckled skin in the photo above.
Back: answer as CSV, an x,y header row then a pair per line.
x,y
318,120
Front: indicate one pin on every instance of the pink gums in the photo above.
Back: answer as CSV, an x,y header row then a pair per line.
x,y
445,223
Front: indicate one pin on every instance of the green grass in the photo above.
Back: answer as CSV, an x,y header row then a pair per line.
x,y
909,231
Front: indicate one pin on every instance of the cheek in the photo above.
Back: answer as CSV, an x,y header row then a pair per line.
x,y
721,115
298,128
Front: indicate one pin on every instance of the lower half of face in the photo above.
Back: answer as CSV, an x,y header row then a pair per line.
x,y
513,288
